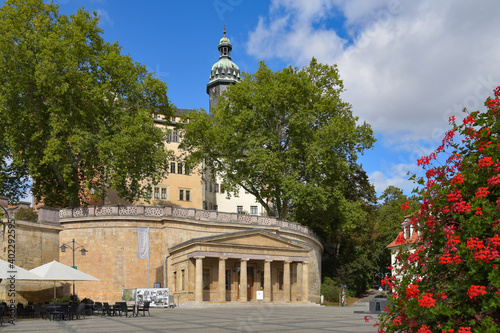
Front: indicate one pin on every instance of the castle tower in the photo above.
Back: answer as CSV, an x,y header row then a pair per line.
x,y
224,72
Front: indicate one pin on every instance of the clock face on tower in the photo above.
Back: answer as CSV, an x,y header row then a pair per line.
x,y
214,92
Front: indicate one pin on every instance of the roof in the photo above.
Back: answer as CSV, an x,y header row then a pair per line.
x,y
400,239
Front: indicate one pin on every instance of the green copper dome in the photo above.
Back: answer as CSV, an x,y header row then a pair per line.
x,y
224,71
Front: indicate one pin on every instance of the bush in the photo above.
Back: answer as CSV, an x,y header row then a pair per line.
x,y
330,289
450,281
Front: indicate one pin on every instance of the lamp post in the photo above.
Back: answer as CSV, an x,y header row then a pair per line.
x,y
74,246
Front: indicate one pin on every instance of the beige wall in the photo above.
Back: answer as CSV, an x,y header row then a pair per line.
x,y
112,245
35,244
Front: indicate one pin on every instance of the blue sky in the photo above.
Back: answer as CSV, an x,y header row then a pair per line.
x,y
407,65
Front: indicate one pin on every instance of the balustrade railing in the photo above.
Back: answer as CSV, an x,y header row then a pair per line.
x,y
189,213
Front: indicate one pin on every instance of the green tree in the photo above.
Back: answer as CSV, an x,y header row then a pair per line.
x,y
75,112
286,137
390,215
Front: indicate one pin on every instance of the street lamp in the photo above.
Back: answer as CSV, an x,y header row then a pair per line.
x,y
74,246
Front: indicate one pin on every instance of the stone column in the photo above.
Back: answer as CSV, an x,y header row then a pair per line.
x,y
305,282
198,280
243,281
267,281
286,281
222,279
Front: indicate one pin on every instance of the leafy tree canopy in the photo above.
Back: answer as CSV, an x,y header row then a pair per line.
x,y
286,137
75,112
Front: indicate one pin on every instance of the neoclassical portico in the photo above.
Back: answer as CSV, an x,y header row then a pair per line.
x,y
248,266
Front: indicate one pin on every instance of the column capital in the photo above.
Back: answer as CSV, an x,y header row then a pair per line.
x,y
268,260
244,259
288,261
222,258
199,257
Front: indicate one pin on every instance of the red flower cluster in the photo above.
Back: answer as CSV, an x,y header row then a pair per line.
x,y
485,162
412,291
448,259
388,281
478,211
405,206
482,192
461,207
454,196
425,160
494,241
494,180
427,301
464,330
483,145
475,291
458,179
469,120
424,329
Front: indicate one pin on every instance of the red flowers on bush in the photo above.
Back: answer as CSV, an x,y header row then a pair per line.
x,y
449,279
475,291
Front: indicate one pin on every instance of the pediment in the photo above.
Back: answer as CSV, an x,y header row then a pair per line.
x,y
256,238
248,239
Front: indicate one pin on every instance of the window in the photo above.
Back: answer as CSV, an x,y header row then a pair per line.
x,y
253,210
181,195
175,281
228,279
183,281
188,195
175,136
172,167
206,279
262,279
216,188
216,207
179,168
239,209
204,205
280,280
164,193
210,186
157,193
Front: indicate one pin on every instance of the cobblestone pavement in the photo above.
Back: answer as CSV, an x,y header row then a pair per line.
x,y
264,318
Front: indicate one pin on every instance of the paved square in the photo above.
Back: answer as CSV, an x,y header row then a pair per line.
x,y
271,318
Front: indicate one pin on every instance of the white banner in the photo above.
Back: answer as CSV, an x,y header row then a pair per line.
x,y
142,242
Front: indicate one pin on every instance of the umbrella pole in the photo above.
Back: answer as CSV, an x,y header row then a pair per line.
x,y
54,289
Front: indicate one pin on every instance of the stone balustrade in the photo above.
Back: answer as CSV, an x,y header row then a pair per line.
x,y
189,213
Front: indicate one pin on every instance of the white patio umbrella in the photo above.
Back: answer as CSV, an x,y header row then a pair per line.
x,y
55,271
7,270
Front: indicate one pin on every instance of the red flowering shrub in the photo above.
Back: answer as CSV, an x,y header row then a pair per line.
x,y
449,280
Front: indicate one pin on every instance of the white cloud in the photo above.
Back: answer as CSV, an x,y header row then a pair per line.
x,y
408,66
105,18
396,175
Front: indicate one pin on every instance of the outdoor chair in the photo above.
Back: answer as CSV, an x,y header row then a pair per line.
x,y
80,311
72,310
20,309
98,308
107,309
143,308
28,311
125,309
117,309
62,313
37,310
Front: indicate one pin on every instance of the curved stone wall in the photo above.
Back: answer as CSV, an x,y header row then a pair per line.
x,y
109,233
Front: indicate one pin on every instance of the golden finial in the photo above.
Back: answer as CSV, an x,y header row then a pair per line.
x,y
224,30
